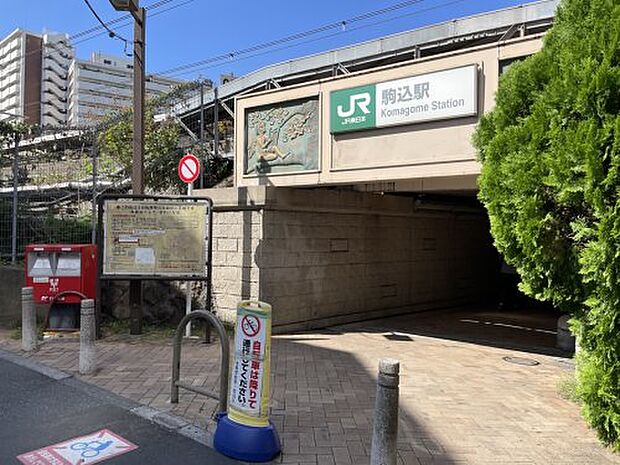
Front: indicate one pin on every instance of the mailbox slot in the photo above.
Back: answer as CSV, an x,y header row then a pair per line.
x,y
41,264
69,264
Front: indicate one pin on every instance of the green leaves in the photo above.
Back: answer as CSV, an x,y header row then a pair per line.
x,y
160,150
550,153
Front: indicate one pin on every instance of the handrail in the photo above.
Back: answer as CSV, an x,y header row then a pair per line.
x,y
176,359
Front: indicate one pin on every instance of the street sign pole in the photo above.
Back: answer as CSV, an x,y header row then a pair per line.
x,y
188,295
188,170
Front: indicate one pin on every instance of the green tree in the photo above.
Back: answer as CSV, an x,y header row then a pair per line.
x,y
550,153
161,153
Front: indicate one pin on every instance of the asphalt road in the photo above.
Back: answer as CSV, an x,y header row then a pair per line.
x,y
38,411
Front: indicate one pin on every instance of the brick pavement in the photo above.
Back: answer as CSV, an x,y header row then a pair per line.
x,y
460,402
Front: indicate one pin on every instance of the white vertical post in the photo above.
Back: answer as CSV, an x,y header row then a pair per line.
x,y
88,353
188,295
29,321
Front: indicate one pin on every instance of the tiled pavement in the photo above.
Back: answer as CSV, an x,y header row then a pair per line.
x,y
461,403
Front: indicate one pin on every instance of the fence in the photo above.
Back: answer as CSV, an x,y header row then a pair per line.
x,y
49,179
48,185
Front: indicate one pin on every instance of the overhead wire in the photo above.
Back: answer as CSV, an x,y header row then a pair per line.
x,y
312,40
128,20
297,36
111,33
98,27
153,6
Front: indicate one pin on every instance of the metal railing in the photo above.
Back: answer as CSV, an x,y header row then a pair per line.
x,y
222,396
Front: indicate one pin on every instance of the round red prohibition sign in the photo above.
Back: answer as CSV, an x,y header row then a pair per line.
x,y
189,168
250,325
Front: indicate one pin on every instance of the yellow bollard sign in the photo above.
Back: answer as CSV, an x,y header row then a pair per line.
x,y
248,402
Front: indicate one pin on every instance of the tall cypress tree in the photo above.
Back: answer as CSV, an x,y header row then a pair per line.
x,y
550,153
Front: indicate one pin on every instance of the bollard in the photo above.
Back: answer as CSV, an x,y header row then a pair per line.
x,y
29,321
564,339
88,354
385,425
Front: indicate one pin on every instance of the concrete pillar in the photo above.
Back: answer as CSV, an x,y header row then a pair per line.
x,y
88,354
29,321
385,425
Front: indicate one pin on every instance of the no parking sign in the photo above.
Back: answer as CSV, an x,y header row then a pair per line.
x,y
188,168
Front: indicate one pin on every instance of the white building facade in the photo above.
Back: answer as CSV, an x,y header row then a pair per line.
x,y
102,85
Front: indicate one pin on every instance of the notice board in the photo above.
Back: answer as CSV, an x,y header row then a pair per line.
x,y
154,238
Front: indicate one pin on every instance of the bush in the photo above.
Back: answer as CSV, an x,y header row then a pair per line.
x,y
550,153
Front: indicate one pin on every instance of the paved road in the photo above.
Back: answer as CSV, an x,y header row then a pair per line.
x,y
37,411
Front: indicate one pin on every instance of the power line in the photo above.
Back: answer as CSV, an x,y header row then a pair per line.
x,y
316,39
300,35
111,33
98,27
127,20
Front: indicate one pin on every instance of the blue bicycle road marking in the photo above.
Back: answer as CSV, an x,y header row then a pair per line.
x,y
92,448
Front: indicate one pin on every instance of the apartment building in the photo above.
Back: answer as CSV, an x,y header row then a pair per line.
x,y
104,84
42,82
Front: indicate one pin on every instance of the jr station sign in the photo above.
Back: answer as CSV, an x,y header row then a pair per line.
x,y
428,97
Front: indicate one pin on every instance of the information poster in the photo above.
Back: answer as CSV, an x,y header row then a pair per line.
x,y
154,238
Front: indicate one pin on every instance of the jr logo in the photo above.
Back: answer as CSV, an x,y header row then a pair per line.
x,y
360,100
352,109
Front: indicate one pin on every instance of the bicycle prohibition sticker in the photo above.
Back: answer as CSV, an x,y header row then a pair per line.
x,y
93,448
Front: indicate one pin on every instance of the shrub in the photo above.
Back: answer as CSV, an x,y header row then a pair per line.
x,y
550,153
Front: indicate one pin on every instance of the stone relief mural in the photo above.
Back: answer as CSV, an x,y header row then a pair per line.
x,y
282,138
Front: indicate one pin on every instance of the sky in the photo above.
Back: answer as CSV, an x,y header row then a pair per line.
x,y
187,31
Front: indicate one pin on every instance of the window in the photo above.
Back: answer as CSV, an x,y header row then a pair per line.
x,y
505,64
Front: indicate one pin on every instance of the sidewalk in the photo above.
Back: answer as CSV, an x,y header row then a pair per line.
x,y
461,403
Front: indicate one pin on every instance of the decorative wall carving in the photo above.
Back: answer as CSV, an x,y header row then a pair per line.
x,y
282,138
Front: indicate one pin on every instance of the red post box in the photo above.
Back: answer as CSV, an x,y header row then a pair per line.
x,y
62,275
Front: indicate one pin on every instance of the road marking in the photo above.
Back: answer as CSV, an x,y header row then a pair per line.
x,y
84,450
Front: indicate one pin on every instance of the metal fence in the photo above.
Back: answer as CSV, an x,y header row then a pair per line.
x,y
49,180
48,185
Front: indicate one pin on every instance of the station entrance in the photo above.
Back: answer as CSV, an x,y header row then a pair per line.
x,y
329,256
492,310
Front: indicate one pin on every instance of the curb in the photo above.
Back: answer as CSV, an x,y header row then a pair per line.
x,y
166,420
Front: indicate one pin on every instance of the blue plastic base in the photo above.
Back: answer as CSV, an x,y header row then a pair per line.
x,y
249,443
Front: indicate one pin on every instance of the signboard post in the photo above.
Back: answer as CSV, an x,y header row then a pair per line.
x,y
145,237
189,170
246,433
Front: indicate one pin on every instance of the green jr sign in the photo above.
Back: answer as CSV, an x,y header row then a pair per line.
x,y
353,109
451,93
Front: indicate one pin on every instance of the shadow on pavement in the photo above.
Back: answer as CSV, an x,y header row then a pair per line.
x,y
323,403
525,329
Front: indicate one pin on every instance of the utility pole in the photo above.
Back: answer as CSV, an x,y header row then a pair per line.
x,y
202,132
15,205
93,154
137,169
216,123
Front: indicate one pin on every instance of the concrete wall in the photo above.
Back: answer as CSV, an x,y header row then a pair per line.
x,y
322,257
11,283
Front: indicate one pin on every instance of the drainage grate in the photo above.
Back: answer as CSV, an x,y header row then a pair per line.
x,y
528,362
